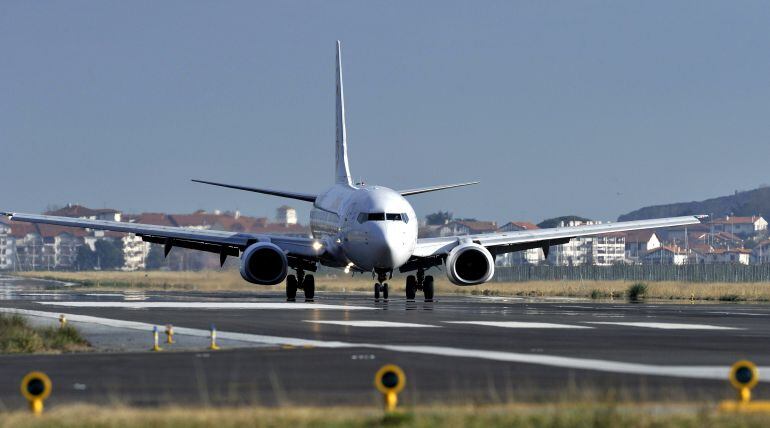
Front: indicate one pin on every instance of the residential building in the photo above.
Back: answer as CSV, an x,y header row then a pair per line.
x,y
665,255
286,215
532,256
516,226
741,226
639,243
608,249
135,252
79,211
761,253
7,247
467,227
709,255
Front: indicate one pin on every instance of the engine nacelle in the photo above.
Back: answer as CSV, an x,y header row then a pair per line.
x,y
264,263
470,264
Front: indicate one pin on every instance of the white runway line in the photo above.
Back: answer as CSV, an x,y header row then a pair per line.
x,y
741,313
518,324
203,305
697,372
666,326
371,323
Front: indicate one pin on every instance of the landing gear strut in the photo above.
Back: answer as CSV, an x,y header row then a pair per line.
x,y
419,282
381,286
306,282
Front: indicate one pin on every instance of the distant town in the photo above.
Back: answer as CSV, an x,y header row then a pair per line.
x,y
27,247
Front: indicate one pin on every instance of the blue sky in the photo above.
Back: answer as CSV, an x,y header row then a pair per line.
x,y
575,107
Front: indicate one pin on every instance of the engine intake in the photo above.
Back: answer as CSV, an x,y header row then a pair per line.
x,y
470,264
264,263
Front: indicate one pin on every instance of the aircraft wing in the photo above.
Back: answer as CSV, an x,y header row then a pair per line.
x,y
506,242
215,241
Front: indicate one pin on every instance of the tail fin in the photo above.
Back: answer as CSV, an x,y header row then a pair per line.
x,y
341,168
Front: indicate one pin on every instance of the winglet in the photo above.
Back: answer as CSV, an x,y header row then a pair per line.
x,y
341,168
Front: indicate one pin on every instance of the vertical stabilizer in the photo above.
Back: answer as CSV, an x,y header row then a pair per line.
x,y
341,168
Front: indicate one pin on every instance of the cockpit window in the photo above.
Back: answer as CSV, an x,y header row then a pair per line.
x,y
364,217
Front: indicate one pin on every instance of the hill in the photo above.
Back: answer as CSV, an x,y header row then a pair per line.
x,y
746,203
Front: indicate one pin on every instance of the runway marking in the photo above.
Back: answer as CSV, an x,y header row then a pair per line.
x,y
518,324
697,372
371,323
741,313
203,305
666,326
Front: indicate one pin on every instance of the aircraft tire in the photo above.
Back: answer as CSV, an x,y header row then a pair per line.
x,y
427,288
291,288
385,291
411,287
309,288
376,291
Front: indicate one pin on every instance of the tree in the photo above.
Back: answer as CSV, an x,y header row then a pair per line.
x,y
109,253
85,258
155,258
438,218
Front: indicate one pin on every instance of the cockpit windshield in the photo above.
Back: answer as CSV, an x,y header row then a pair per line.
x,y
364,217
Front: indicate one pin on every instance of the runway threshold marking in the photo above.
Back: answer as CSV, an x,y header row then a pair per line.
x,y
666,326
696,372
363,323
204,305
519,324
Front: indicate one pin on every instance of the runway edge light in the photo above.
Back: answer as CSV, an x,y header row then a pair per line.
x,y
36,387
744,376
155,345
390,380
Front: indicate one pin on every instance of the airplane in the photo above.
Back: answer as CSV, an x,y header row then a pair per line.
x,y
358,228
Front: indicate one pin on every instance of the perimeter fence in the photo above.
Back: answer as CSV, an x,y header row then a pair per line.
x,y
683,273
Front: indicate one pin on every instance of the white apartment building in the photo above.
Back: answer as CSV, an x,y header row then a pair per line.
x,y
135,252
609,249
7,247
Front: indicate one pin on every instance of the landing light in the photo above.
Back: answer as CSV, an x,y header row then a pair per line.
x,y
317,245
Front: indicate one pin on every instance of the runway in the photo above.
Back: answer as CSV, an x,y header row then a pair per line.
x,y
456,349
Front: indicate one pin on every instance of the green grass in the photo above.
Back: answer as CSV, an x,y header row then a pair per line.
x,y
597,415
636,291
18,337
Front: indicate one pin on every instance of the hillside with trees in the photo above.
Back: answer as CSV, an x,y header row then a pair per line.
x,y
748,203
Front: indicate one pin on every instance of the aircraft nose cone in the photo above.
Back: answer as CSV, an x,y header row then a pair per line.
x,y
385,250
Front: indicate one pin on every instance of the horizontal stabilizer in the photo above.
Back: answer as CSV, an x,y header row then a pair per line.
x,y
433,188
291,195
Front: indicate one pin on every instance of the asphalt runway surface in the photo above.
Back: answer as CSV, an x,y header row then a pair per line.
x,y
456,349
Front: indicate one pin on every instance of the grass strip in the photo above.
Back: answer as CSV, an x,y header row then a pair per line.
x,y
18,337
230,280
528,416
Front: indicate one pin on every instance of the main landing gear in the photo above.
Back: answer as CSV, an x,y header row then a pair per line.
x,y
381,287
307,283
420,282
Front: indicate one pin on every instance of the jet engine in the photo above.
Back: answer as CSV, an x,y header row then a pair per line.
x,y
264,263
470,264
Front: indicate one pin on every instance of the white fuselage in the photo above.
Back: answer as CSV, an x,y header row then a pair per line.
x,y
372,227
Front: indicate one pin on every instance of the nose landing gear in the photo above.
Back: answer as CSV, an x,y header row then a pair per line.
x,y
381,286
419,282
307,283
